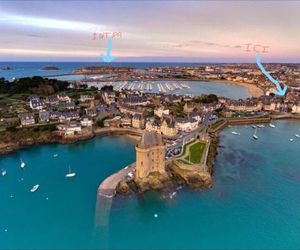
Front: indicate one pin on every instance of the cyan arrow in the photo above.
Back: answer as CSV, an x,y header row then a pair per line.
x,y
279,91
108,58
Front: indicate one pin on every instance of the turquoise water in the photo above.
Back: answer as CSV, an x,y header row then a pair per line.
x,y
253,204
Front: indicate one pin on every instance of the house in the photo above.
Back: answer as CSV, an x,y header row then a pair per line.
x,y
244,106
136,101
138,121
44,116
36,103
86,122
73,128
53,99
67,116
161,111
54,115
168,127
86,98
296,108
63,97
66,106
173,99
131,110
165,126
92,112
126,120
109,97
186,124
27,119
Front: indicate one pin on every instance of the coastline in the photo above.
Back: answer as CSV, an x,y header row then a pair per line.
x,y
253,90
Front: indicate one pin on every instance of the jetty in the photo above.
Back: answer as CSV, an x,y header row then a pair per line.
x,y
108,187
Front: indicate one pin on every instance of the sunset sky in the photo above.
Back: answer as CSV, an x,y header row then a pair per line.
x,y
166,31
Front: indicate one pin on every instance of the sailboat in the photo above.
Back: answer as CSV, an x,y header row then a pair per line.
x,y
3,172
70,174
254,135
34,188
22,164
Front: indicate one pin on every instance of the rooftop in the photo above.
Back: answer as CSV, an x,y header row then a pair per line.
x,y
150,139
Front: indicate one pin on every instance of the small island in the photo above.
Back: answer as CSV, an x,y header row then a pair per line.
x,y
6,68
50,68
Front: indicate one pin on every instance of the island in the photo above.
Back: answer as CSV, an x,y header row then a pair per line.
x,y
6,68
50,68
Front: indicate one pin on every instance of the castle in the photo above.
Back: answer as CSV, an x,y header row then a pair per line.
x,y
150,155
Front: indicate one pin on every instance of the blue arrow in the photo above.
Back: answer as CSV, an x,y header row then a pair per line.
x,y
108,58
279,91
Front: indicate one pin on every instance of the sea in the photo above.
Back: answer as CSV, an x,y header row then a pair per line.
x,y
29,69
253,203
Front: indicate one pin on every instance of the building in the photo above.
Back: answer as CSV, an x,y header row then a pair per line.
x,y
36,103
86,98
296,108
86,122
27,119
44,116
186,124
73,128
53,99
150,155
160,112
165,126
138,121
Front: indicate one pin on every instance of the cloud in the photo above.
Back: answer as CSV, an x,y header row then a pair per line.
x,y
48,23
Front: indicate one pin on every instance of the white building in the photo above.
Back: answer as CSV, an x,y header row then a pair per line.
x,y
186,124
161,112
86,122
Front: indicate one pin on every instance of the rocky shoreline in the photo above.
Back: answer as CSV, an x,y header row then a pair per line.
x,y
6,148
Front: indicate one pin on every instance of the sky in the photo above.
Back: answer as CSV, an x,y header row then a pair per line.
x,y
162,31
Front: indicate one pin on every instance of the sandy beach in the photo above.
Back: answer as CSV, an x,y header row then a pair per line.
x,y
254,90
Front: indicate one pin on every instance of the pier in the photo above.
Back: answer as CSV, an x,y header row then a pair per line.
x,y
108,187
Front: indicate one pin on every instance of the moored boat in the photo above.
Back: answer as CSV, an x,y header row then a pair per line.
x,y
22,165
255,136
34,188
3,172
70,174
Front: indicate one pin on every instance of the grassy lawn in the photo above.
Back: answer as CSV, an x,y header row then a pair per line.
x,y
196,152
184,148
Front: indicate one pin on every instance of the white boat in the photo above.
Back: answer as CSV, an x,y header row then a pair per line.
x,y
34,188
55,155
272,125
255,136
70,174
22,164
260,126
291,139
296,135
254,126
3,173
235,133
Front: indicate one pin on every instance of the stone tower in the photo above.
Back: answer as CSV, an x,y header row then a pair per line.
x,y
150,155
